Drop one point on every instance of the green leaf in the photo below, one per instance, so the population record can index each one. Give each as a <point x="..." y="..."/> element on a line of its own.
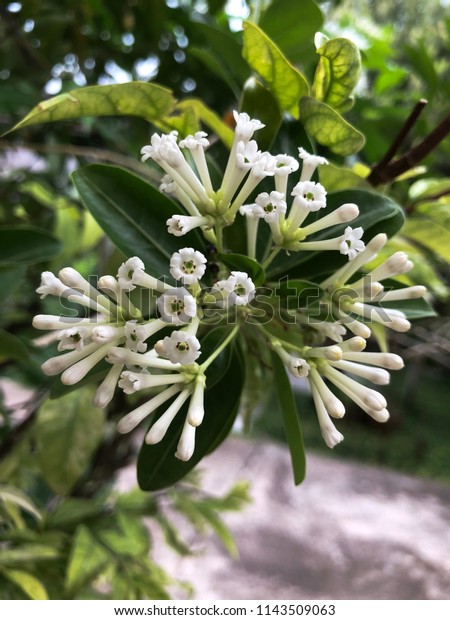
<point x="32" y="587"/>
<point x="290" y="419"/>
<point x="67" y="433"/>
<point x="10" y="278"/>
<point x="125" y="535"/>
<point x="292" y="25"/>
<point x="286" y="82"/>
<point x="337" y="73"/>
<point x="209" y="118"/>
<point x="26" y="554"/>
<point x="219" y="366"/>
<point x="157" y="466"/>
<point x="11" y="347"/>
<point x="426" y="188"/>
<point x="295" y="293"/>
<point x="329" y="128"/>
<point x="337" y="178"/>
<point x="240" y="262"/>
<point x="74" y="510"/>
<point x="377" y="213"/>
<point x="259" y="102"/>
<point x="143" y="99"/>
<point x="87" y="559"/>
<point x="430" y="227"/>
<point x="132" y="213"/>
<point x="18" y="498"/>
<point x="27" y="245"/>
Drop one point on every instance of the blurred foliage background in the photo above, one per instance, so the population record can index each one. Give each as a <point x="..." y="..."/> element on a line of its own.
<point x="193" y="47"/>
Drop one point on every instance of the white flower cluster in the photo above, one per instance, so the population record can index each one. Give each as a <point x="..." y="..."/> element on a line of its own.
<point x="247" y="166"/>
<point x="116" y="332"/>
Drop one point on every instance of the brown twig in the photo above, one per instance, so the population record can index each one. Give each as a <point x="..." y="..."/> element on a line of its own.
<point x="378" y="169"/>
<point x="430" y="198"/>
<point x="413" y="156"/>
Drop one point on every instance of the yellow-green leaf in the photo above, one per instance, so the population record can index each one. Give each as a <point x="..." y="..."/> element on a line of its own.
<point x="32" y="587"/>
<point x="430" y="227"/>
<point x="87" y="558"/>
<point x="336" y="178"/>
<point x="286" y="82"/>
<point x="208" y="117"/>
<point x="329" y="128"/>
<point x="67" y="433"/>
<point x="19" y="498"/>
<point x="337" y="73"/>
<point x="146" y="100"/>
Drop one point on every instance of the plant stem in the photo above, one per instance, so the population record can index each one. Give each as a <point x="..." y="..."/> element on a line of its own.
<point x="271" y="256"/>
<point x="219" y="350"/>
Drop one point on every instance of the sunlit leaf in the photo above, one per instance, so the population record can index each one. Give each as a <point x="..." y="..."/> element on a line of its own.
<point x="329" y="128"/>
<point x="144" y="99"/>
<point x="337" y="73"/>
<point x="67" y="433"/>
<point x="259" y="102"/>
<point x="284" y="80"/>
<point x="87" y="559"/>
<point x="430" y="227"/>
<point x="292" y="25"/>
<point x="19" y="498"/>
<point x="28" y="583"/>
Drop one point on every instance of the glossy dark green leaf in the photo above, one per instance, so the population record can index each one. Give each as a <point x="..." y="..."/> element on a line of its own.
<point x="292" y="26"/>
<point x="157" y="466"/>
<point x="329" y="128"/>
<point x="259" y="102"/>
<point x="27" y="245"/>
<point x="209" y="344"/>
<point x="144" y="99"/>
<point x="11" y="347"/>
<point x="291" y="420"/>
<point x="133" y="214"/>
<point x="284" y="80"/>
<point x="337" y="73"/>
<point x="240" y="262"/>
<point x="377" y="213"/>
<point x="296" y="293"/>
<point x="10" y="278"/>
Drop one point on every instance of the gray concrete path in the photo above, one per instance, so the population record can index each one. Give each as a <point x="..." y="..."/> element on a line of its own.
<point x="350" y="531"/>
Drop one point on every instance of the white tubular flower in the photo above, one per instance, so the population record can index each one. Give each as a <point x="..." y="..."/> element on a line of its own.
<point x="179" y="348"/>
<point x="390" y="317"/>
<point x="176" y="306"/>
<point x="161" y="148"/>
<point x="134" y="340"/>
<point x="298" y="367"/>
<point x="167" y="185"/>
<point x="132" y="273"/>
<point x="270" y="206"/>
<point x="198" y="140"/>
<point x="329" y="432"/>
<point x="196" y="410"/>
<point x="401" y="294"/>
<point x="123" y="355"/>
<point x="364" y="397"/>
<point x="71" y="278"/>
<point x="310" y="195"/>
<point x="160" y="427"/>
<point x="332" y="352"/>
<point x="180" y="225"/>
<point x="53" y="321"/>
<point x="344" y="213"/>
<point x="132" y="382"/>
<point x="334" y="331"/>
<point x="242" y="288"/>
<point x="186" y="445"/>
<point x="135" y="417"/>
<point x="105" y="391"/>
<point x="104" y="334"/>
<point x="391" y="361"/>
<point x="50" y="285"/>
<point x="187" y="265"/>
<point x="285" y="164"/>
<point x="379" y="376"/>
<point x="245" y="126"/>
<point x="80" y="369"/>
<point x="74" y="338"/>
<point x="310" y="163"/>
<point x="351" y="244"/>
<point x="247" y="155"/>
<point x="333" y="405"/>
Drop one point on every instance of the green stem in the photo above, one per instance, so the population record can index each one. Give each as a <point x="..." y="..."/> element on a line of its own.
<point x="219" y="238"/>
<point x="219" y="350"/>
<point x="271" y="256"/>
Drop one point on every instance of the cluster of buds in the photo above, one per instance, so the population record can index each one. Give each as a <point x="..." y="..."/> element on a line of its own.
<point x="116" y="330"/>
